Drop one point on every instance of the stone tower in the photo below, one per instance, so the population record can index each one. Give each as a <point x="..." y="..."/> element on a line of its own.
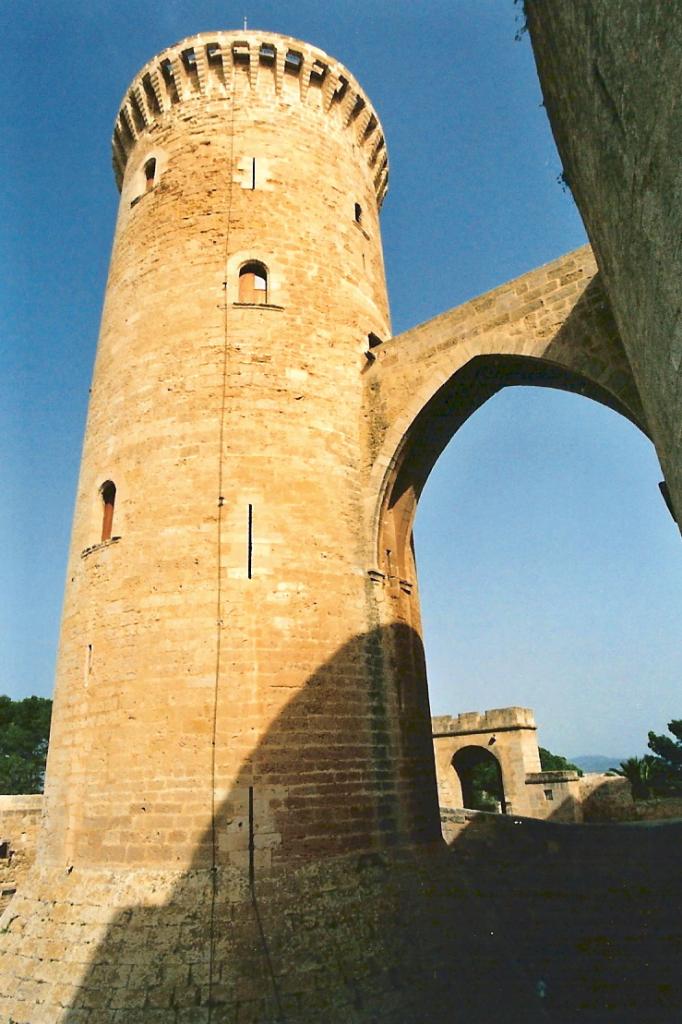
<point x="245" y="281"/>
<point x="221" y="703"/>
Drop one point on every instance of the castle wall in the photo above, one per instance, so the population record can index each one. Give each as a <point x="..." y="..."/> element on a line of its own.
<point x="19" y="823"/>
<point x="610" y="76"/>
<point x="555" y="795"/>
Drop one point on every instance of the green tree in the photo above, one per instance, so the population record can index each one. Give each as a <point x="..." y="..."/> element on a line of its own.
<point x="641" y="773"/>
<point x="668" y="758"/>
<point x="485" y="785"/>
<point x="24" y="734"/>
<point x="550" y="762"/>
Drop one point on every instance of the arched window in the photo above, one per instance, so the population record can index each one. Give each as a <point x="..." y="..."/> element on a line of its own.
<point x="253" y="284"/>
<point x="108" y="492"/>
<point x="150" y="174"/>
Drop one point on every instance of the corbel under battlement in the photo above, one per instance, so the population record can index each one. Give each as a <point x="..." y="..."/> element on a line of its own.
<point x="206" y="65"/>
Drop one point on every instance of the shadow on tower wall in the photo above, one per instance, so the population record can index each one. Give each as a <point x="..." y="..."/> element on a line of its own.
<point x="529" y="921"/>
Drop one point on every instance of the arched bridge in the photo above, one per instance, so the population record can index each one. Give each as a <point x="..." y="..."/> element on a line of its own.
<point x="551" y="327"/>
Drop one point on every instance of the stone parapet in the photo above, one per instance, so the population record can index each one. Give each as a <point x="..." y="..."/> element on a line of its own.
<point x="217" y="64"/>
<point x="494" y="720"/>
<point x="543" y="778"/>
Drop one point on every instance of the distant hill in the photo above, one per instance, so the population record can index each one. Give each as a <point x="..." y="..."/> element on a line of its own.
<point x="597" y="762"/>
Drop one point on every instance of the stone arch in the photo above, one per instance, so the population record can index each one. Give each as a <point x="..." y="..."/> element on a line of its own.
<point x="464" y="762"/>
<point x="509" y="735"/>
<point x="552" y="328"/>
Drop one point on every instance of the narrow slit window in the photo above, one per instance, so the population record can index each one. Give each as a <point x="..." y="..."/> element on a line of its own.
<point x="108" y="492"/>
<point x="358" y="213"/>
<point x="253" y="173"/>
<point x="253" y="284"/>
<point x="88" y="663"/>
<point x="249" y="544"/>
<point x="150" y="174"/>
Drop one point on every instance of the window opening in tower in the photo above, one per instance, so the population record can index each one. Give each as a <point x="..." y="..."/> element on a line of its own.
<point x="253" y="284"/>
<point x="108" y="492"/>
<point x="150" y="174"/>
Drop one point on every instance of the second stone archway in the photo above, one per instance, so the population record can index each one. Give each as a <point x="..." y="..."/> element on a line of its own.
<point x="552" y="327"/>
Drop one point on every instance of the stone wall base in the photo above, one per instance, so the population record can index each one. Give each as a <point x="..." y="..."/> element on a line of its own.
<point x="363" y="938"/>
<point x="518" y="920"/>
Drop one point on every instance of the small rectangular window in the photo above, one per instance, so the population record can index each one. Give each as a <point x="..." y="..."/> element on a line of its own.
<point x="108" y="493"/>
<point x="340" y="90"/>
<point x="318" y="72"/>
<point x="240" y="53"/>
<point x="357" y="107"/>
<point x="549" y="794"/>
<point x="152" y="99"/>
<point x="293" y="62"/>
<point x="189" y="58"/>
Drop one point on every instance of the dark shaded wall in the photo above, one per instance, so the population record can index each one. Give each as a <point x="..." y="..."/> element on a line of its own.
<point x="611" y="77"/>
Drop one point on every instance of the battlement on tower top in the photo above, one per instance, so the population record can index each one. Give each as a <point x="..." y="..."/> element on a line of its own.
<point x="207" y="65"/>
<point x="494" y="720"/>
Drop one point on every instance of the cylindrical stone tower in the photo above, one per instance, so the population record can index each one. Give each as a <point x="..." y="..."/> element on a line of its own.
<point x="221" y="711"/>
<point x="245" y="280"/>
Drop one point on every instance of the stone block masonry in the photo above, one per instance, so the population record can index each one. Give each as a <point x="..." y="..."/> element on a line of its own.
<point x="507" y="737"/>
<point x="241" y="818"/>
<point x="19" y="823"/>
<point x="611" y="77"/>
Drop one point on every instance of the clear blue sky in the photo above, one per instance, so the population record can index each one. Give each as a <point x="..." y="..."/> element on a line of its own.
<point x="551" y="573"/>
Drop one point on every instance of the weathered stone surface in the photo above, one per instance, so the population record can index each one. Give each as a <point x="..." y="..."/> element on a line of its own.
<point x="19" y="822"/>
<point x="611" y="79"/>
<point x="509" y="736"/>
